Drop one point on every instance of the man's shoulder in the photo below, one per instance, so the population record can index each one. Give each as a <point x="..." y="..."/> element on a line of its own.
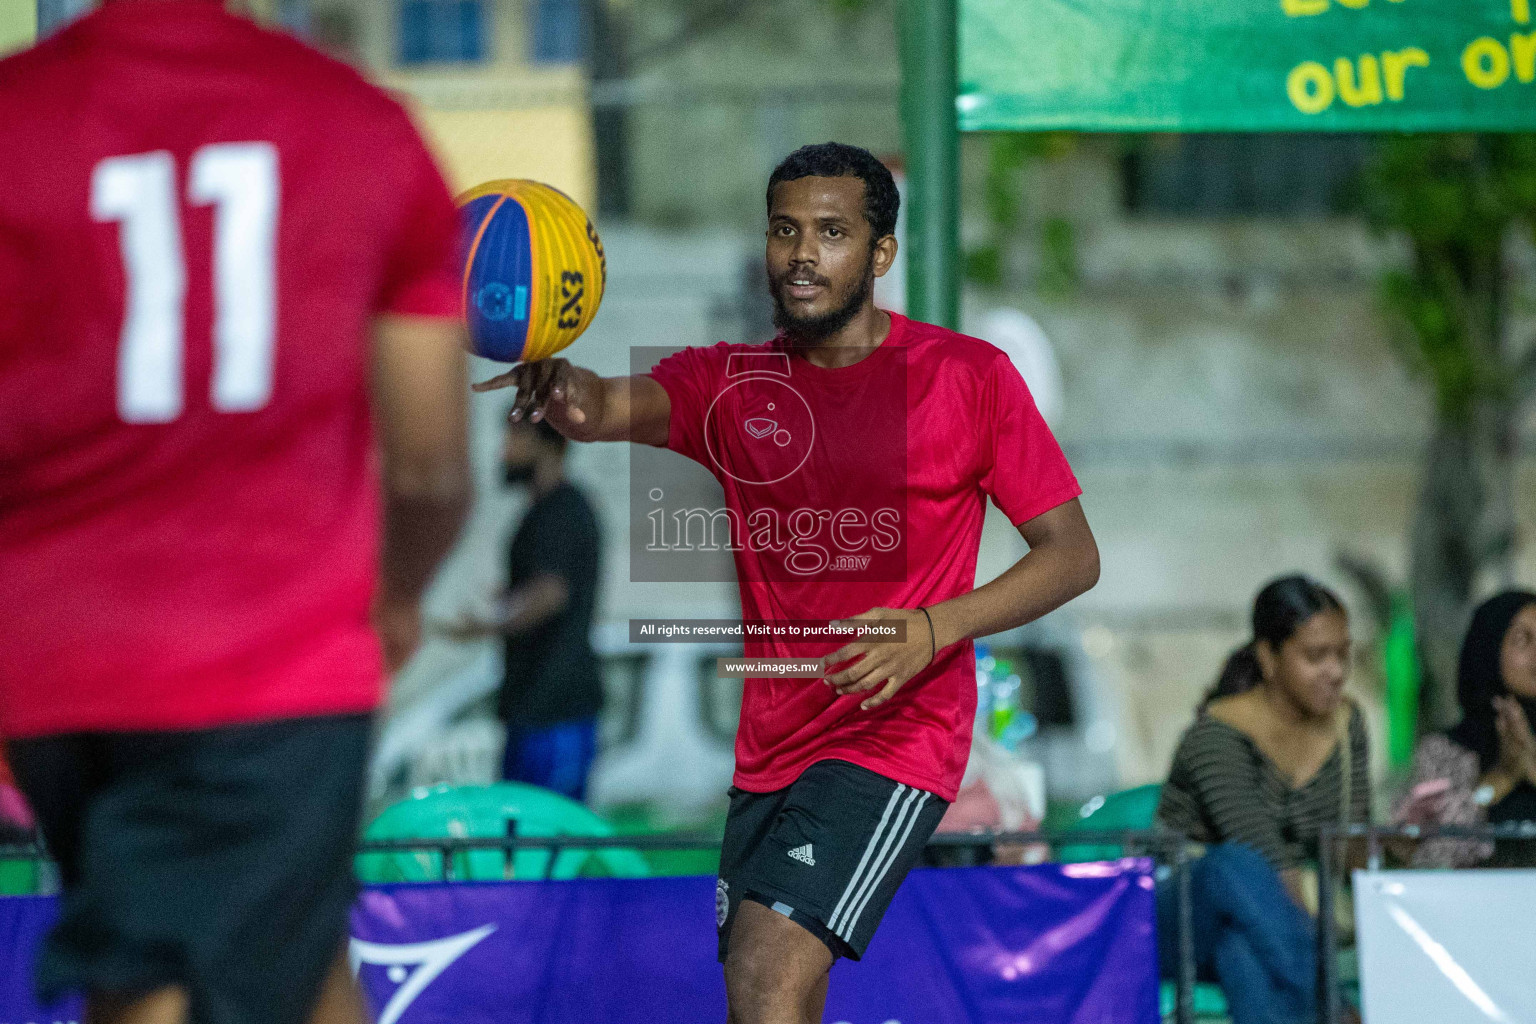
<point x="931" y="343"/>
<point x="724" y="358"/>
<point x="25" y="75"/>
<point x="311" y="81"/>
<point x="322" y="85"/>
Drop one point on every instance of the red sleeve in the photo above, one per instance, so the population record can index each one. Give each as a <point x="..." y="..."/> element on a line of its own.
<point x="690" y="379"/>
<point x="421" y="269"/>
<point x="1024" y="470"/>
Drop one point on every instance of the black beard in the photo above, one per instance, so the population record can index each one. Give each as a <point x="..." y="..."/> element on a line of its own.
<point x="818" y="328"/>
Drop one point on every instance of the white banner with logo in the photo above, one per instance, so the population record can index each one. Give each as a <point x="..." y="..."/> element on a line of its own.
<point x="1447" y="947"/>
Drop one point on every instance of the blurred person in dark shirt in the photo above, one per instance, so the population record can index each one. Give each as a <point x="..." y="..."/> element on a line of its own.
<point x="552" y="690"/>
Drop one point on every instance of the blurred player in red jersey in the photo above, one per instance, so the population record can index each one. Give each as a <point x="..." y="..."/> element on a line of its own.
<point x="229" y="315"/>
<point x="874" y="441"/>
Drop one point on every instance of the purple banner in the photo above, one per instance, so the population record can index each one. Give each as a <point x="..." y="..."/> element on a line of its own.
<point x="24" y="922"/>
<point x="1070" y="944"/>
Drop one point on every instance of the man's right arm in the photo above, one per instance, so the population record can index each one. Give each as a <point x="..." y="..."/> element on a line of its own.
<point x="586" y="407"/>
<point x="421" y="409"/>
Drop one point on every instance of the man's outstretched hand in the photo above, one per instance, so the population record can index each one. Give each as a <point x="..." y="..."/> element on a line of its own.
<point x="569" y="397"/>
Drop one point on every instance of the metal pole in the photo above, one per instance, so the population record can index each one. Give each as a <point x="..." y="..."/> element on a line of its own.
<point x="929" y="77"/>
<point x="1184" y="1007"/>
<point x="1328" y="939"/>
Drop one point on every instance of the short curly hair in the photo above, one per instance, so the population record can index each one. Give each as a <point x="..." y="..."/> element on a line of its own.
<point x="882" y="202"/>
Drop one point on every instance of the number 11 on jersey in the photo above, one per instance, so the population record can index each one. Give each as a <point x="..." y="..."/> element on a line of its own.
<point x="140" y="193"/>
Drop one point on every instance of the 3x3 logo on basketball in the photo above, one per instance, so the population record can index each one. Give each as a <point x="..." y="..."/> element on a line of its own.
<point x="573" y="285"/>
<point x="573" y="289"/>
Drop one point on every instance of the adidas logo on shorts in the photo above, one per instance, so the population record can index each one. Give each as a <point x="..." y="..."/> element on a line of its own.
<point x="803" y="855"/>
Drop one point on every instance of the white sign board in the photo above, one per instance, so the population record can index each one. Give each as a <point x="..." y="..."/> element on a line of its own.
<point x="1448" y="947"/>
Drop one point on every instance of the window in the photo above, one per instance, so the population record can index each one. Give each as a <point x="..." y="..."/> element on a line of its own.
<point x="1243" y="175"/>
<point x="442" y="31"/>
<point x="559" y="31"/>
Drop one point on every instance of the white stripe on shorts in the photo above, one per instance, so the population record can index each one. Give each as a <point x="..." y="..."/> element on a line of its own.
<point x="874" y="841"/>
<point x="839" y="925"/>
<point x="906" y="834"/>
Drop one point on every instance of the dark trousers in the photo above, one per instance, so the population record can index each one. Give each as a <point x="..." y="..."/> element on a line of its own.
<point x="1249" y="936"/>
<point x="556" y="757"/>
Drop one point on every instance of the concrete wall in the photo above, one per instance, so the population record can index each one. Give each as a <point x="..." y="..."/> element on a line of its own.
<point x="18" y="24"/>
<point x="716" y="115"/>
<point x="504" y="117"/>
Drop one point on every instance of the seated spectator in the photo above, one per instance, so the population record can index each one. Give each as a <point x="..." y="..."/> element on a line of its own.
<point x="1276" y="753"/>
<point x="1484" y="769"/>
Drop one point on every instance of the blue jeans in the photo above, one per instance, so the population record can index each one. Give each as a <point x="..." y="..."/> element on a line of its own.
<point x="556" y="757"/>
<point x="1249" y="936"/>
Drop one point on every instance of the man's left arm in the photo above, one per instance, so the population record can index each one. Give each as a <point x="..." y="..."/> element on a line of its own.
<point x="1062" y="563"/>
<point x="556" y="548"/>
<point x="518" y="611"/>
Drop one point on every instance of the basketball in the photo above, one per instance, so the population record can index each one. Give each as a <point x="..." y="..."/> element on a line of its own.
<point x="534" y="270"/>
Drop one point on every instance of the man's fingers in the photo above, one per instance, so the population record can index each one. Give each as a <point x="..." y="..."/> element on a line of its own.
<point x="566" y="391"/>
<point x="541" y="371"/>
<point x="869" y="682"/>
<point x="504" y="380"/>
<point x="851" y="672"/>
<point x="866" y="675"/>
<point x="531" y="391"/>
<point x="891" y="686"/>
<point x="525" y="393"/>
<point x="851" y="649"/>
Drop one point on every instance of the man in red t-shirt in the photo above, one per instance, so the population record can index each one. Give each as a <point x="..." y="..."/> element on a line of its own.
<point x="229" y="315"/>
<point x="857" y="451"/>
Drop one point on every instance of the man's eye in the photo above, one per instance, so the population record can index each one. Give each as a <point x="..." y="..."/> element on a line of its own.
<point x="834" y="233"/>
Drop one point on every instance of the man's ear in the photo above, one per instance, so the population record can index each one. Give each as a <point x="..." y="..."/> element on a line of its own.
<point x="885" y="255"/>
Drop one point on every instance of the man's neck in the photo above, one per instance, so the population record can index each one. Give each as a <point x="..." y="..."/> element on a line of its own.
<point x="547" y="476"/>
<point x="865" y="332"/>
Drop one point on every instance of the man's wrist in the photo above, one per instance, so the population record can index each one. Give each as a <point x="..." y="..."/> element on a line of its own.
<point x="597" y="408"/>
<point x="946" y="632"/>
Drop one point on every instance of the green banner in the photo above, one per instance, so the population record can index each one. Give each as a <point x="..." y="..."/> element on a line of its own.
<point x="1247" y="65"/>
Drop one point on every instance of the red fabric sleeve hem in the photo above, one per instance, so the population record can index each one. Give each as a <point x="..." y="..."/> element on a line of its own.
<point x="1044" y="505"/>
<point x="431" y="298"/>
<point x="673" y="421"/>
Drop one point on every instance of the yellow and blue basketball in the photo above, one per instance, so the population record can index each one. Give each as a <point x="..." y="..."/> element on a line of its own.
<point x="534" y="270"/>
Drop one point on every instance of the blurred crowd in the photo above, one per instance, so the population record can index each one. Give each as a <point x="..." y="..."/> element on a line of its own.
<point x="1278" y="752"/>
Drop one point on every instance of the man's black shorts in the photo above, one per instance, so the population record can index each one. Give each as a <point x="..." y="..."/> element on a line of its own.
<point x="218" y="860"/>
<point x="828" y="852"/>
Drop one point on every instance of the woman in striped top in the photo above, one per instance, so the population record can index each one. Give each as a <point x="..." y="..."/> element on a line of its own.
<point x="1275" y="754"/>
